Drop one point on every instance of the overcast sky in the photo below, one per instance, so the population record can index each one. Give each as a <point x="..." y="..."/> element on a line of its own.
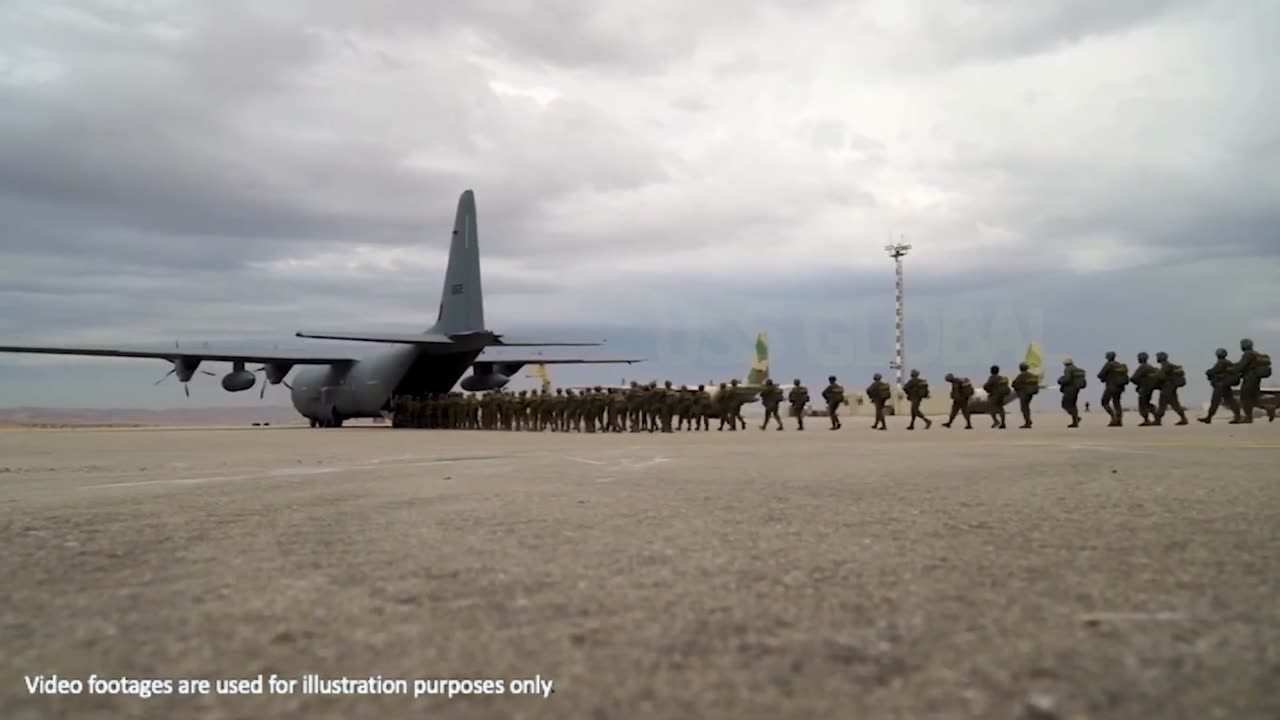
<point x="673" y="176"/>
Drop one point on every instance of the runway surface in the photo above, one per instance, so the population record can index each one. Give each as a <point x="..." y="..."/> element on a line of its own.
<point x="1126" y="573"/>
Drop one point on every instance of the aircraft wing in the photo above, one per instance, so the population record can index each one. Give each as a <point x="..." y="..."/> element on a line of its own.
<point x="379" y="337"/>
<point x="291" y="357"/>
<point x="518" y="363"/>
<point x="503" y="340"/>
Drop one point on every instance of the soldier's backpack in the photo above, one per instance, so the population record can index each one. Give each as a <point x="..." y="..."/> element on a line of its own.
<point x="1119" y="374"/>
<point x="1262" y="363"/>
<point x="1178" y="375"/>
<point x="1078" y="378"/>
<point x="1001" y="387"/>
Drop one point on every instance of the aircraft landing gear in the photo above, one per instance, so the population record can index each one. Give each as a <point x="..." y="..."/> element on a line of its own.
<point x="315" y="423"/>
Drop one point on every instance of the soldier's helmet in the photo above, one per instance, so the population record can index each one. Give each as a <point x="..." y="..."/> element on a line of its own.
<point x="523" y="393"/>
<point x="1162" y="356"/>
<point x="915" y="373"/>
<point x="949" y="377"/>
<point x="734" y="382"/>
<point x="797" y="382"/>
<point x="1142" y="357"/>
<point x="1220" y="352"/>
<point x="876" y="377"/>
<point x="1024" y="367"/>
<point x="559" y="391"/>
<point x="635" y="383"/>
<point x="668" y="383"/>
<point x="831" y="378"/>
<point x="723" y="385"/>
<point x="598" y="388"/>
<point x="1068" y="362"/>
<point x="769" y="381"/>
<point x="995" y="369"/>
<point x="1246" y="344"/>
<point x="702" y="387"/>
<point x="1111" y="355"/>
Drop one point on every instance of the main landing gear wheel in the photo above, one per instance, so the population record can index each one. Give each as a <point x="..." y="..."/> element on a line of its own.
<point x="315" y="423"/>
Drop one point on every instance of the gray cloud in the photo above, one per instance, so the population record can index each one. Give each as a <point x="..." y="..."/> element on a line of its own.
<point x="233" y="171"/>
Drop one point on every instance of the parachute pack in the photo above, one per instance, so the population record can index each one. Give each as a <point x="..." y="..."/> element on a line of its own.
<point x="1177" y="375"/>
<point x="1263" y="364"/>
<point x="1119" y="373"/>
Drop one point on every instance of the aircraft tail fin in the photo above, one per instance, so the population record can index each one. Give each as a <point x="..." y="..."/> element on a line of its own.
<point x="759" y="371"/>
<point x="1035" y="358"/>
<point x="1035" y="361"/>
<point x="461" y="300"/>
<point x="540" y="372"/>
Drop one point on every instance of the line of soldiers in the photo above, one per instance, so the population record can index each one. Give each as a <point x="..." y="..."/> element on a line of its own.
<point x="1165" y="378"/>
<point x="640" y="408"/>
<point x="649" y="408"/>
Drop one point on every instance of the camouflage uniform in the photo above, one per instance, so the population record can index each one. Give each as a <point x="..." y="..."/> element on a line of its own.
<point x="735" y="404"/>
<point x="1251" y="369"/>
<point x="1172" y="377"/>
<point x="1114" y="376"/>
<point x="833" y="395"/>
<point x="1222" y="379"/>
<point x="798" y="398"/>
<point x="702" y="408"/>
<point x="1071" y="383"/>
<point x="667" y="406"/>
<point x="1146" y="379"/>
<point x="997" y="387"/>
<point x="771" y="398"/>
<point x="917" y="389"/>
<point x="724" y="404"/>
<point x="1025" y="386"/>
<point x="961" y="391"/>
<point x="879" y="392"/>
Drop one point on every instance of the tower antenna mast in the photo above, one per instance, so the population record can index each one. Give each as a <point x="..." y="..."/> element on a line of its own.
<point x="898" y="251"/>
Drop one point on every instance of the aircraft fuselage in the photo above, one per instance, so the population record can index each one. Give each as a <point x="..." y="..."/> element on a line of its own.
<point x="364" y="388"/>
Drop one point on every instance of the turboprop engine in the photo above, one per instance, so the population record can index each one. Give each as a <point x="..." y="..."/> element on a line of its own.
<point x="486" y="381"/>
<point x="238" y="380"/>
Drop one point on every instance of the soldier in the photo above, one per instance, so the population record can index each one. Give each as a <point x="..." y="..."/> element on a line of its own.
<point x="1251" y="369"/>
<point x="799" y="398"/>
<point x="735" y="404"/>
<point x="1071" y="383"/>
<point x="997" y="387"/>
<point x="879" y="393"/>
<point x="684" y="408"/>
<point x="961" y="391"/>
<point x="724" y="405"/>
<point x="1114" y="376"/>
<point x="834" y="396"/>
<point x="1172" y="377"/>
<point x="1146" y="379"/>
<point x="771" y="398"/>
<point x="667" y="406"/>
<point x="1025" y="386"/>
<point x="917" y="389"/>
<point x="702" y="408"/>
<point x="1222" y="379"/>
<point x="653" y="405"/>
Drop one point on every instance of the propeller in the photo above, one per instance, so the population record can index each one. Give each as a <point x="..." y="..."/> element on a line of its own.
<point x="185" y="389"/>
<point x="263" y="392"/>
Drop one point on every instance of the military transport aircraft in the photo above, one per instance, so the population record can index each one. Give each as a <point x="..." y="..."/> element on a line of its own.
<point x="339" y="386"/>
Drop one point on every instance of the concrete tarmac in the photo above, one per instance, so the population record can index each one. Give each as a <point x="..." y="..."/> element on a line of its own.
<point x="1101" y="573"/>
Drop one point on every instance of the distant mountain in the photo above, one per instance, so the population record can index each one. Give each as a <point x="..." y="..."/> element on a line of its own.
<point x="29" y="416"/>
